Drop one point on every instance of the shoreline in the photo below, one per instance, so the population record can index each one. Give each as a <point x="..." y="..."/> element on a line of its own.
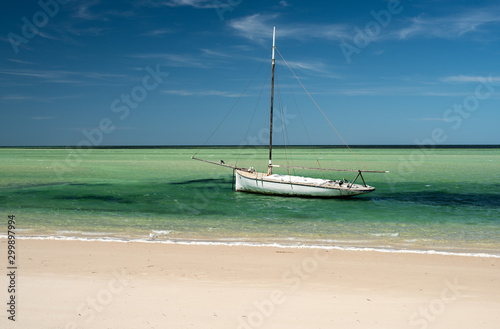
<point x="76" y="284"/>
<point x="267" y="243"/>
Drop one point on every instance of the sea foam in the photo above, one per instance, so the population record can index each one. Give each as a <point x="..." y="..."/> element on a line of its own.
<point x="226" y="243"/>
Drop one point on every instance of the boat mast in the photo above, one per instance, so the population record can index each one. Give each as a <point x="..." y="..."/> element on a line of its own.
<point x="270" y="168"/>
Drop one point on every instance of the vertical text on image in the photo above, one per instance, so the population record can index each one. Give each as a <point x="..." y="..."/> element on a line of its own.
<point x="11" y="267"/>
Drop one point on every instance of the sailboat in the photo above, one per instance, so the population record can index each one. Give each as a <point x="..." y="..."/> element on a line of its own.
<point x="248" y="180"/>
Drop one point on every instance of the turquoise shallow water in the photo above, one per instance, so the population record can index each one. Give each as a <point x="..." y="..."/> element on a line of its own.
<point x="439" y="199"/>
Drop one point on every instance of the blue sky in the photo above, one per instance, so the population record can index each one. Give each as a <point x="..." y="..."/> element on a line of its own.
<point x="167" y="72"/>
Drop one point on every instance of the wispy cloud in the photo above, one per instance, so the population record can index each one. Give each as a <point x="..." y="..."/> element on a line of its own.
<point x="308" y="65"/>
<point x="59" y="76"/>
<point x="84" y="12"/>
<point x="158" y="32"/>
<point x="470" y="78"/>
<point x="257" y="28"/>
<point x="176" y="60"/>
<point x="319" y="68"/>
<point x="281" y="5"/>
<point x="316" y="66"/>
<point x="198" y="4"/>
<point x="15" y="97"/>
<point x="92" y="31"/>
<point x="19" y="61"/>
<point x="445" y="93"/>
<point x="87" y="11"/>
<point x="216" y="53"/>
<point x="42" y="118"/>
<point x="387" y="90"/>
<point x="31" y="73"/>
<point x="37" y="98"/>
<point x="427" y="119"/>
<point x="452" y="26"/>
<point x="92" y="128"/>
<point x="394" y="90"/>
<point x="201" y="93"/>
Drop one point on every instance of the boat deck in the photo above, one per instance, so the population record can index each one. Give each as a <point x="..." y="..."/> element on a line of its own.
<point x="305" y="181"/>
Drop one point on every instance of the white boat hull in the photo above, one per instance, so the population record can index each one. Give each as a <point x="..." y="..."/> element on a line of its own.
<point x="296" y="186"/>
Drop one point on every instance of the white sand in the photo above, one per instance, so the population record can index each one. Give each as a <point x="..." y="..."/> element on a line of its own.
<point x="72" y="284"/>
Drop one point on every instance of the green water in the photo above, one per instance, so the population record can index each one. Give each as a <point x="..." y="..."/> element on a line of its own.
<point x="442" y="199"/>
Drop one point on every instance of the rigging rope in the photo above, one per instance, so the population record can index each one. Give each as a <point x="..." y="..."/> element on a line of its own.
<point x="283" y="125"/>
<point x="331" y="125"/>
<point x="253" y="116"/>
<point x="231" y="109"/>
<point x="304" y="126"/>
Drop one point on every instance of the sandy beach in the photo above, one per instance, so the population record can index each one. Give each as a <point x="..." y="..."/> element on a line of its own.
<point x="77" y="284"/>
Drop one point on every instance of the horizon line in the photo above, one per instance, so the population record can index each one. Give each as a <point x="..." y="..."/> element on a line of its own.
<point x="425" y="146"/>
